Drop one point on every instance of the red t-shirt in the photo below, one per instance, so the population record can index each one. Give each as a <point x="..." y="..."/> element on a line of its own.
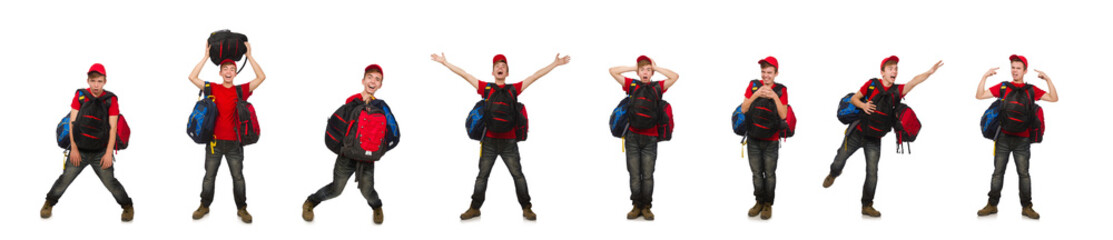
<point x="652" y="132"/>
<point x="784" y="100"/>
<point x="517" y="91"/>
<point x="113" y="110"/>
<point x="866" y="87"/>
<point x="995" y="89"/>
<point x="357" y="96"/>
<point x="226" y="108"/>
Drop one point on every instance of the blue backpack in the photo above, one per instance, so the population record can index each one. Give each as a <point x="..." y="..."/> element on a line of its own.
<point x="474" y="124"/>
<point x="619" y="122"/>
<point x="848" y="113"/>
<point x="394" y="134"/>
<point x="991" y="125"/>
<point x="738" y="121"/>
<point x="202" y="120"/>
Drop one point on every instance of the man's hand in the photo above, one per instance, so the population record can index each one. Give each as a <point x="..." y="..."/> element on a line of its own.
<point x="248" y="45"/>
<point x="870" y="108"/>
<point x="207" y="48"/>
<point x="991" y="72"/>
<point x="440" y="59"/>
<point x="935" y="67"/>
<point x="106" y="161"/>
<point x="558" y="61"/>
<point x="75" y="158"/>
<point x="1042" y="75"/>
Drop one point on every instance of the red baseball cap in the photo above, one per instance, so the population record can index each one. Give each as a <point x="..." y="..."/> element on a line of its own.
<point x="373" y="66"/>
<point x="498" y="58"/>
<point x="1022" y="59"/>
<point x="643" y="57"/>
<point x="233" y="62"/>
<point x="893" y="58"/>
<point x="97" y="67"/>
<point x="771" y="61"/>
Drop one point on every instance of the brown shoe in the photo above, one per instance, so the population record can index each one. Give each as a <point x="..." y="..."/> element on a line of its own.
<point x="828" y="181"/>
<point x="1029" y="212"/>
<point x="987" y="210"/>
<point x="200" y="212"/>
<point x="378" y="215"/>
<point x="46" y="211"/>
<point x="307" y="211"/>
<point x="471" y="213"/>
<point x="767" y="212"/>
<point x="634" y="213"/>
<point x="647" y="214"/>
<point x="528" y="214"/>
<point x="869" y="211"/>
<point x="244" y="215"/>
<point x="128" y="214"/>
<point x="756" y="209"/>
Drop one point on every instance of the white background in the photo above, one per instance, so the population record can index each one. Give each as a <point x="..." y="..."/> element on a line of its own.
<point x="313" y="55"/>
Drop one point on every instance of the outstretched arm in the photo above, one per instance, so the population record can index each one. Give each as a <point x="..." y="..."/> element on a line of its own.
<point x="1052" y="95"/>
<point x="982" y="92"/>
<point x="193" y="76"/>
<point x="537" y="75"/>
<point x="471" y="79"/>
<point x="259" y="76"/>
<point x="920" y="78"/>
<point x="616" y="73"/>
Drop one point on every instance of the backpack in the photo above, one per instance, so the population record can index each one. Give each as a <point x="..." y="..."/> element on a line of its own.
<point x="620" y="122"/>
<point x="907" y="128"/>
<point x="881" y="121"/>
<point x="790" y="123"/>
<point x="765" y="121"/>
<point x="738" y="121"/>
<point x="991" y="122"/>
<point x="645" y="105"/>
<point x="371" y="132"/>
<point x="665" y="123"/>
<point x="847" y="112"/>
<point x="475" y="124"/>
<point x="225" y="44"/>
<point x="1036" y="132"/>
<point x="1017" y="107"/>
<point x="247" y="123"/>
<point x="502" y="108"/>
<point x="337" y="127"/>
<point x="202" y="120"/>
<point x="92" y="128"/>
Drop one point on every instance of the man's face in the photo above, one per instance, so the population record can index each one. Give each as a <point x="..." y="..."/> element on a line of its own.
<point x="1018" y="71"/>
<point x="228" y="72"/>
<point x="500" y="70"/>
<point x="645" y="72"/>
<point x="768" y="74"/>
<point x="372" y="82"/>
<point x="889" y="73"/>
<point x="96" y="84"/>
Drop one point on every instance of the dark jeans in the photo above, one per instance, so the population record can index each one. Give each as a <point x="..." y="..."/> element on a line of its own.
<point x="641" y="158"/>
<point x="872" y="148"/>
<point x="70" y="172"/>
<point x="508" y="149"/>
<point x="341" y="172"/>
<point x="233" y="151"/>
<point x="763" y="165"/>
<point x="1019" y="147"/>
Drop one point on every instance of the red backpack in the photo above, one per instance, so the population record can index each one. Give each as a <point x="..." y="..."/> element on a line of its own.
<point x="907" y="127"/>
<point x="367" y="128"/>
<point x="247" y="123"/>
<point x="1036" y="132"/>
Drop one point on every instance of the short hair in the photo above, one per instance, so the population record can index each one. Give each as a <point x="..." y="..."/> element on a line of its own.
<point x="1021" y="63"/>
<point x="372" y="70"/>
<point x="766" y="64"/>
<point x="642" y="63"/>
<point x="887" y="63"/>
<point x="95" y="75"/>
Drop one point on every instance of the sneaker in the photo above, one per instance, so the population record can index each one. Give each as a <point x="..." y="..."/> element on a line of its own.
<point x="767" y="212"/>
<point x="1029" y="212"/>
<point x="471" y="213"/>
<point x="200" y="212"/>
<point x="244" y="215"/>
<point x="307" y="211"/>
<point x="46" y="211"/>
<point x="634" y="213"/>
<point x="756" y="209"/>
<point x="828" y="181"/>
<point x="987" y="210"/>
<point x="528" y="214"/>
<point x="869" y="211"/>
<point x="378" y="215"/>
<point x="128" y="214"/>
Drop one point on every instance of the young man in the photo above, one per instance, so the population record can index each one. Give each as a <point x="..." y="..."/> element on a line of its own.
<point x="764" y="151"/>
<point x="344" y="167"/>
<point x="79" y="158"/>
<point x="503" y="144"/>
<point x="641" y="144"/>
<point x="1016" y="143"/>
<point x="225" y="141"/>
<point x="858" y="139"/>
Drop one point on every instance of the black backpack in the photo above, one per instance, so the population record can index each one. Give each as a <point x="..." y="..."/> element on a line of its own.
<point x="645" y="105"/>
<point x="880" y="122"/>
<point x="503" y="111"/>
<point x="1017" y="107"/>
<point x="225" y="44"/>
<point x="763" y="117"/>
<point x="337" y="129"/>
<point x="91" y="128"/>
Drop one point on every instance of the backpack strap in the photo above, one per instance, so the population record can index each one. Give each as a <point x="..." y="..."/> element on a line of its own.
<point x="239" y="93"/>
<point x="490" y="87"/>
<point x="874" y="84"/>
<point x="206" y="91"/>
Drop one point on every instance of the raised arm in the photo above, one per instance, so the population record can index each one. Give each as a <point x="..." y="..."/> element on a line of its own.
<point x="669" y="74"/>
<point x="1052" y="95"/>
<point x="983" y="93"/>
<point x="616" y="73"/>
<point x="471" y="79"/>
<point x="193" y="76"/>
<point x="920" y="78"/>
<point x="537" y="75"/>
<point x="259" y="75"/>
